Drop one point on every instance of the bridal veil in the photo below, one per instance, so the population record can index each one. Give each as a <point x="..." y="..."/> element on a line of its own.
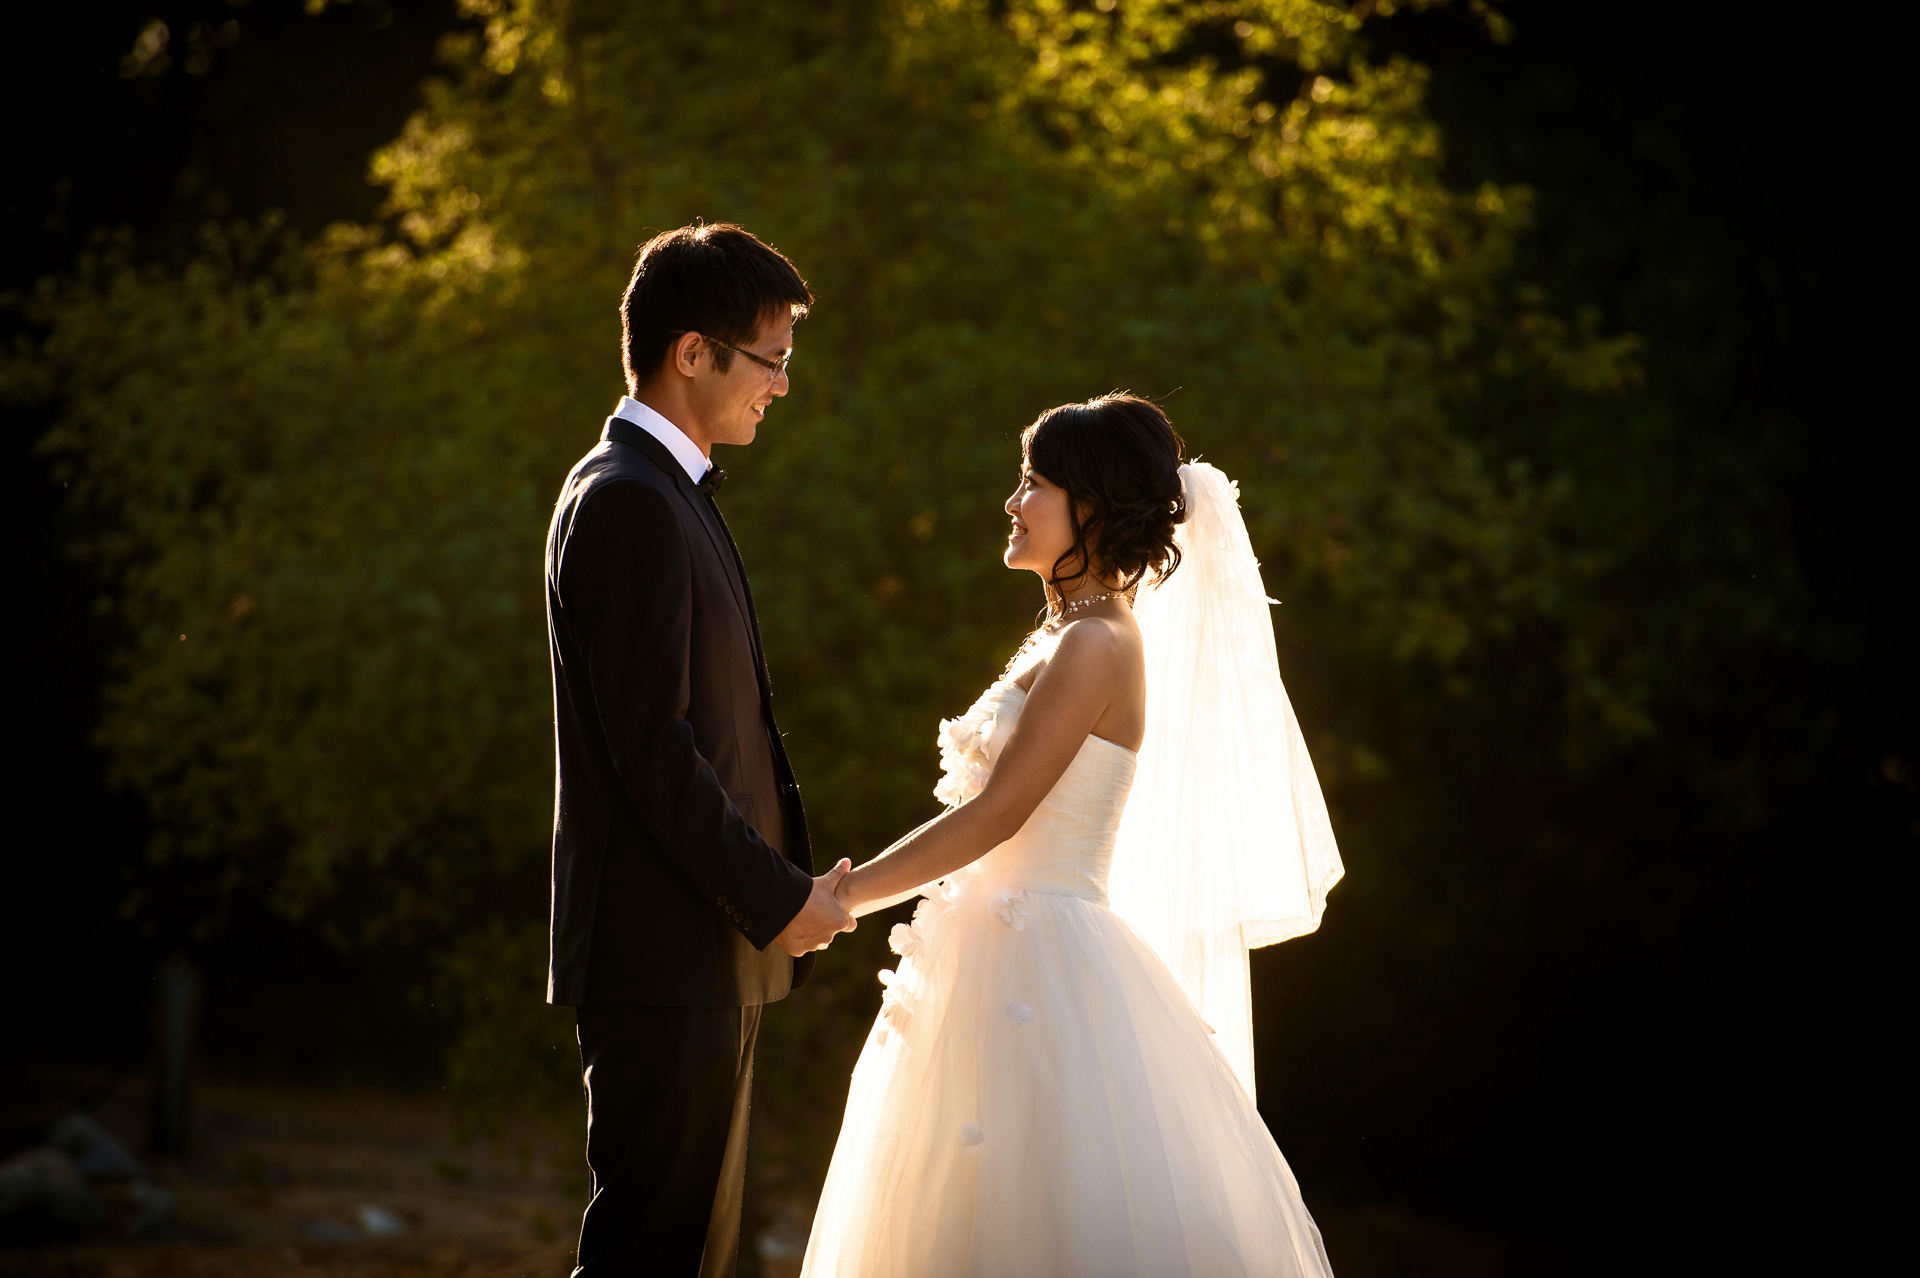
<point x="1225" y="843"/>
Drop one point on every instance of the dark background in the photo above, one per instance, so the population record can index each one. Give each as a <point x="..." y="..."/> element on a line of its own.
<point x="283" y="118"/>
<point x="1677" y="1053"/>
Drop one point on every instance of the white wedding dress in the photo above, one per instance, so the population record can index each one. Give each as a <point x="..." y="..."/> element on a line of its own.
<point x="1038" y="1095"/>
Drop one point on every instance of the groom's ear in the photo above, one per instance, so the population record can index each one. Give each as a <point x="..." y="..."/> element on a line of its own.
<point x="684" y="355"/>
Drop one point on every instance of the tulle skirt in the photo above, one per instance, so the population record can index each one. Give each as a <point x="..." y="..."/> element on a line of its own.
<point x="1038" y="1097"/>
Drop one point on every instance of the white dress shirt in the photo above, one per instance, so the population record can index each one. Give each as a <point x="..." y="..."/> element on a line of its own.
<point x="684" y="450"/>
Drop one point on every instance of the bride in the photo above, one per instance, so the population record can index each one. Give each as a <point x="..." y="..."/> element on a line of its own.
<point x="1060" y="1080"/>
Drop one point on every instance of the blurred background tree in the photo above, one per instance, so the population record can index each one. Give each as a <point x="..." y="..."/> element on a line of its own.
<point x="1541" y="522"/>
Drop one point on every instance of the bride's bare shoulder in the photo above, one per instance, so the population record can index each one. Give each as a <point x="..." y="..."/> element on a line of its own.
<point x="1093" y="648"/>
<point x="1099" y="639"/>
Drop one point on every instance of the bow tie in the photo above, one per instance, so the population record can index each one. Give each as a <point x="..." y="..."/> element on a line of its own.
<point x="710" y="484"/>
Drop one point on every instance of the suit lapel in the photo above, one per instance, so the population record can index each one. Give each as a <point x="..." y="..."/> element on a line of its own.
<point x="622" y="431"/>
<point x="746" y="591"/>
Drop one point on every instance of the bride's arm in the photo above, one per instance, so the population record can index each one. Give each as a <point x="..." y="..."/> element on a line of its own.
<point x="864" y="908"/>
<point x="1067" y="699"/>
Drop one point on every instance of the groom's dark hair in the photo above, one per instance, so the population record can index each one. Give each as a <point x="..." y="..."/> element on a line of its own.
<point x="713" y="278"/>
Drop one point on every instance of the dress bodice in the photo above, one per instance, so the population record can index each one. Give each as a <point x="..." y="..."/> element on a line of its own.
<point x="1066" y="846"/>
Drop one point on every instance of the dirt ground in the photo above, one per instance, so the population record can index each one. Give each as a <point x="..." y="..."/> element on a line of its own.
<point x="278" y="1181"/>
<point x="279" y="1178"/>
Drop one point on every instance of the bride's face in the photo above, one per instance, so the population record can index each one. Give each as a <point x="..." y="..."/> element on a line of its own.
<point x="1042" y="530"/>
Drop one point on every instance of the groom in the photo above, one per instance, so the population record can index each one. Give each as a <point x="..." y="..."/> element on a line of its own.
<point x="683" y="890"/>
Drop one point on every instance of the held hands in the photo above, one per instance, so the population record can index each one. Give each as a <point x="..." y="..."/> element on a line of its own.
<point x="821" y="918"/>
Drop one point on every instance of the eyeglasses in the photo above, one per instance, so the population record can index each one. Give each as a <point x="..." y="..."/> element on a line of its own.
<point x="774" y="367"/>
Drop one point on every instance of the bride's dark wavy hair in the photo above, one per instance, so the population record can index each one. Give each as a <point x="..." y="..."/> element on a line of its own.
<point x="1118" y="458"/>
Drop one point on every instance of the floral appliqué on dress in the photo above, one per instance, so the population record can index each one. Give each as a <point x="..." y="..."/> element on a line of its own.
<point x="964" y="764"/>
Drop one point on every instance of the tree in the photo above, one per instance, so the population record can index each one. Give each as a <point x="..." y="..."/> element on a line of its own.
<point x="330" y="462"/>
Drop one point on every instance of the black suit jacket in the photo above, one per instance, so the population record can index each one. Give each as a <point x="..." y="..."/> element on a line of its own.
<point x="679" y="845"/>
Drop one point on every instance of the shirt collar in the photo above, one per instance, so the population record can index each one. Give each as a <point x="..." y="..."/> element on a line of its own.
<point x="684" y="450"/>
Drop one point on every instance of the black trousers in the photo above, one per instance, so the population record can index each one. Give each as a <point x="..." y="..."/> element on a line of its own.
<point x="668" y="1089"/>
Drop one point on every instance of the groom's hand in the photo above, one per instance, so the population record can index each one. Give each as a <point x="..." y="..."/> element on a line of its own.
<point x="821" y="918"/>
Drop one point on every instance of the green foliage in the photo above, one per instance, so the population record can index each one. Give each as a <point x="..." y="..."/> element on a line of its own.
<point x="330" y="467"/>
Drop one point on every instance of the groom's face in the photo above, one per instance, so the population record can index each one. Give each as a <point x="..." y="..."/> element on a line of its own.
<point x="732" y="404"/>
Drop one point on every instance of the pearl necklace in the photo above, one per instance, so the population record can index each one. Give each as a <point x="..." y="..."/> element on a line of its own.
<point x="1053" y="623"/>
<point x="1072" y="606"/>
